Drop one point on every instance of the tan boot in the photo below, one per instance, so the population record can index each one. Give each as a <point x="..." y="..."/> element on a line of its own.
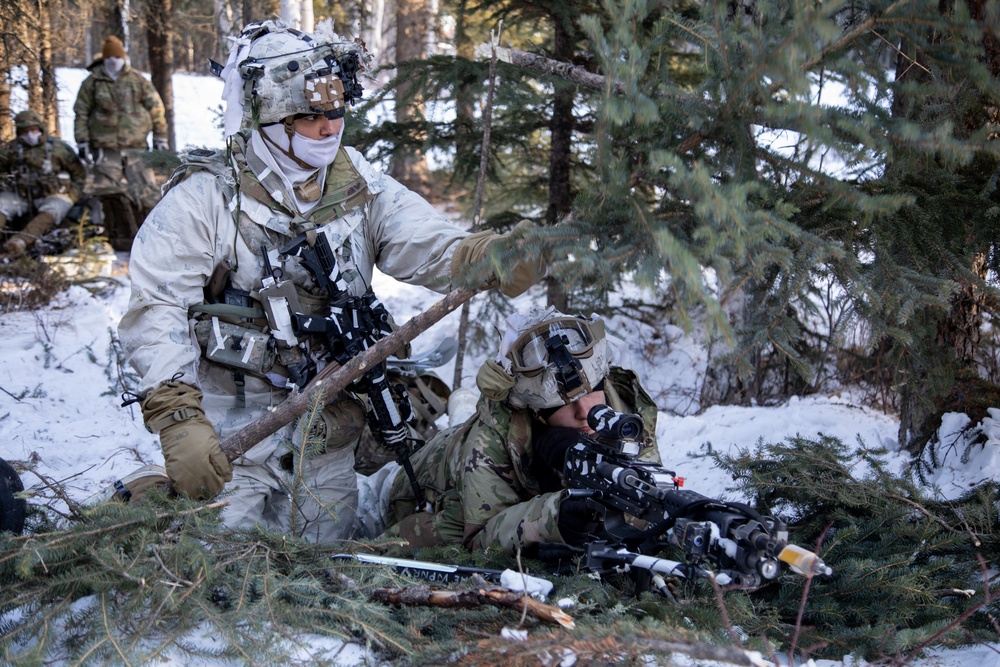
<point x="37" y="226"/>
<point x="132" y="487"/>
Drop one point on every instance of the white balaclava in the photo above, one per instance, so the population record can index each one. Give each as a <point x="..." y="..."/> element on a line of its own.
<point x="318" y="153"/>
<point x="113" y="66"/>
<point x="275" y="74"/>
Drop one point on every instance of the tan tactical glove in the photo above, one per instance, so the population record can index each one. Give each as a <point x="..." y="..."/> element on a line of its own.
<point x="513" y="280"/>
<point x="194" y="462"/>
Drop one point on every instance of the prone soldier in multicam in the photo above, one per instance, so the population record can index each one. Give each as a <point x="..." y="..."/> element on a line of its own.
<point x="43" y="176"/>
<point x="116" y="109"/>
<point x="496" y="479"/>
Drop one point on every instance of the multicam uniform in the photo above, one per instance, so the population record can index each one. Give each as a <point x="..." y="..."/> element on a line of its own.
<point x="478" y="477"/>
<point x="48" y="178"/>
<point x="115" y="116"/>
<point x="369" y="219"/>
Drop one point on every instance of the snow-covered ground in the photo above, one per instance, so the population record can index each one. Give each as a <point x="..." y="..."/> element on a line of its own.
<point x="60" y="404"/>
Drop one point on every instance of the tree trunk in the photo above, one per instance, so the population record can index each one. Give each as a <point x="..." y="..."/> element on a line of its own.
<point x="378" y="32"/>
<point x="88" y="33"/>
<point x="6" y="122"/>
<point x="409" y="166"/>
<point x="297" y="14"/>
<point x="35" y="98"/>
<point x="47" y="72"/>
<point x="119" y="22"/>
<point x="308" y="20"/>
<point x="291" y="13"/>
<point x="465" y="138"/>
<point x="223" y="28"/>
<point x="561" y="127"/>
<point x="159" y="37"/>
<point x="959" y="332"/>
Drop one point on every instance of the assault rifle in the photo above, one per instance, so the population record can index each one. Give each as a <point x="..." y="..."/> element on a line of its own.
<point x="731" y="540"/>
<point x="351" y="325"/>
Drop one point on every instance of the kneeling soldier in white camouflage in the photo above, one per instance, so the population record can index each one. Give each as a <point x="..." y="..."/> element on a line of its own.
<point x="289" y="222"/>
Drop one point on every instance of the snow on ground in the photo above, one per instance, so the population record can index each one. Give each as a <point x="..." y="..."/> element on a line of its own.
<point x="60" y="403"/>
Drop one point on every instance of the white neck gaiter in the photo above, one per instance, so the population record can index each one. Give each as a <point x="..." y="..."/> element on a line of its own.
<point x="319" y="152"/>
<point x="32" y="138"/>
<point x="113" y="66"/>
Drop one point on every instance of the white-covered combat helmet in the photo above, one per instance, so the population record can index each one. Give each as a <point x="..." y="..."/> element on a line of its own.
<point x="275" y="72"/>
<point x="554" y="359"/>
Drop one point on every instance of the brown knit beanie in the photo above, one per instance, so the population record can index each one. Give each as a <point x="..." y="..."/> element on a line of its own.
<point x="113" y="48"/>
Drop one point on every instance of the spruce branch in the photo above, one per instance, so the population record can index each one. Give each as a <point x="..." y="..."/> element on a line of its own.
<point x="988" y="594"/>
<point x="616" y="647"/>
<point x="174" y="578"/>
<point x="550" y="67"/>
<point x="721" y="603"/>
<point x="63" y="537"/>
<point x="805" y="596"/>
<point x="976" y="541"/>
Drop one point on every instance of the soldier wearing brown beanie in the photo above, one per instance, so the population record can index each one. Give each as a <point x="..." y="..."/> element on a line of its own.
<point x="116" y="109"/>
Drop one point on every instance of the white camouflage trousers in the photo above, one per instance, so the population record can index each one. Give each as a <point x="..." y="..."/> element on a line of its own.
<point x="13" y="205"/>
<point x="319" y="498"/>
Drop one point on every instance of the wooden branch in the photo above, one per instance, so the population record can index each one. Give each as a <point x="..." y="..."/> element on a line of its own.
<point x="334" y="378"/>
<point x="424" y="596"/>
<point x="544" y="65"/>
<point x="579" y="76"/>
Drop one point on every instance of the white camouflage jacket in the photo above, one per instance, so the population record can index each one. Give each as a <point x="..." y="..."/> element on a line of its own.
<point x="193" y="229"/>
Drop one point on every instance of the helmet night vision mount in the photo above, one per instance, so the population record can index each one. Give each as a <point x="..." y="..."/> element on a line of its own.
<point x="289" y="73"/>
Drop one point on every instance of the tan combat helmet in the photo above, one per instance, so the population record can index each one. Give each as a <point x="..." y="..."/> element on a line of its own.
<point x="287" y="72"/>
<point x="554" y="358"/>
<point x="28" y="118"/>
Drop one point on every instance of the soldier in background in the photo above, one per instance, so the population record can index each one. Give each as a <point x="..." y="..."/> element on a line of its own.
<point x="116" y="109"/>
<point x="45" y="179"/>
<point x="496" y="480"/>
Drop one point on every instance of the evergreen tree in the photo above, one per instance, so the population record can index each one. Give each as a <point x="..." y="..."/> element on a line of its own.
<point x="727" y="182"/>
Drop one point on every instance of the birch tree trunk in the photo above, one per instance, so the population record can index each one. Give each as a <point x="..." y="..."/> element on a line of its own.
<point x="308" y="20"/>
<point x="298" y="14"/>
<point x="377" y="38"/>
<point x="223" y="29"/>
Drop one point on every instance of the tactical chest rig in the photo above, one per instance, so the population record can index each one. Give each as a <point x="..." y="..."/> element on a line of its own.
<point x="283" y="333"/>
<point x="32" y="184"/>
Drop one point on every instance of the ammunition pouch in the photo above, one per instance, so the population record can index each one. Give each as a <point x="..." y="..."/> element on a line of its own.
<point x="237" y="346"/>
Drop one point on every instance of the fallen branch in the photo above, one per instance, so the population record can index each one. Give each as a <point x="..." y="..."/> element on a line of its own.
<point x="334" y="378"/>
<point x="424" y="596"/>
